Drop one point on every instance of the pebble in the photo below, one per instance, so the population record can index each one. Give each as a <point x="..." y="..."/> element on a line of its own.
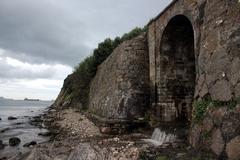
<point x="105" y="130"/>
<point x="12" y="118"/>
<point x="115" y="153"/>
<point x="14" y="141"/>
<point x="116" y="139"/>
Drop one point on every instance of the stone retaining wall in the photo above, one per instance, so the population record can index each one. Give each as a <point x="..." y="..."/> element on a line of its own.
<point x="120" y="89"/>
<point x="219" y="131"/>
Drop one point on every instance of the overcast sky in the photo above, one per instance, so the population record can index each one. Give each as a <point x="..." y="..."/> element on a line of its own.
<point x="42" y="40"/>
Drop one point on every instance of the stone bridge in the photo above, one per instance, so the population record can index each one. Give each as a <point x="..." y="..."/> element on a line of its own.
<point x="191" y="52"/>
<point x="194" y="52"/>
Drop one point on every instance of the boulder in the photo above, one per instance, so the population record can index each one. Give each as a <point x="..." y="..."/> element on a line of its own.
<point x="217" y="145"/>
<point x="14" y="141"/>
<point x="221" y="91"/>
<point x="1" y="145"/>
<point x="234" y="72"/>
<point x="32" y="143"/>
<point x="218" y="114"/>
<point x="231" y="125"/>
<point x="237" y="90"/>
<point x="233" y="149"/>
<point x="12" y="118"/>
<point x="194" y="136"/>
<point x="37" y="119"/>
<point x="208" y="124"/>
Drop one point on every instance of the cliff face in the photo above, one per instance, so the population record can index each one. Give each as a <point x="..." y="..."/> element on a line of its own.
<point x="120" y="89"/>
<point x="66" y="97"/>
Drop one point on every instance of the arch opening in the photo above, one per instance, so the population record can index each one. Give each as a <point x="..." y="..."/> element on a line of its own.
<point x="177" y="70"/>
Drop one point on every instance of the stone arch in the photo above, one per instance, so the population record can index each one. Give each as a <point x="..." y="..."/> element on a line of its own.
<point x="177" y="70"/>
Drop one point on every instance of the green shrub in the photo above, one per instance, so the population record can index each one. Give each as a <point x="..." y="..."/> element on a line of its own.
<point x="135" y="32"/>
<point x="200" y="108"/>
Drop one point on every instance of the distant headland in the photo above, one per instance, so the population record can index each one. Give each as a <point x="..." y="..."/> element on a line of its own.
<point x="25" y="99"/>
<point x="28" y="99"/>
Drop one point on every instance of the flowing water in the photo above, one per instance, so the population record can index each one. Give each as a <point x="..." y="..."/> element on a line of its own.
<point x="160" y="137"/>
<point x="21" y="128"/>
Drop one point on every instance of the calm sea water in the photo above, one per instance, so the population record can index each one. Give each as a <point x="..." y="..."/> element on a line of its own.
<point x="20" y="127"/>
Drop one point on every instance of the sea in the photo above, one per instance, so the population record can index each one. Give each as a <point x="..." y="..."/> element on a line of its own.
<point x="21" y="127"/>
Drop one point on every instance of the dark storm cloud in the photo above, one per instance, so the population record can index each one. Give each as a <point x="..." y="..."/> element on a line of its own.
<point x="65" y="31"/>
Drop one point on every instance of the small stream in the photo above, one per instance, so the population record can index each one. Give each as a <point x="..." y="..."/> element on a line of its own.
<point x="160" y="137"/>
<point x="167" y="134"/>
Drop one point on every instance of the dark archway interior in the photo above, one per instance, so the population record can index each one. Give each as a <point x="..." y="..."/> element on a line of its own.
<point x="177" y="67"/>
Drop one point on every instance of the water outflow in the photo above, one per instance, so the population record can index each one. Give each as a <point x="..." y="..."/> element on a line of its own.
<point x="160" y="137"/>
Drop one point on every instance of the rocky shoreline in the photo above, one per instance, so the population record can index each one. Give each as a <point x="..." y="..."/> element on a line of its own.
<point x="73" y="133"/>
<point x="75" y="137"/>
<point x="18" y="135"/>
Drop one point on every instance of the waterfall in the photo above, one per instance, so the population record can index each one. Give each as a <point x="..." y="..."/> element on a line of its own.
<point x="160" y="137"/>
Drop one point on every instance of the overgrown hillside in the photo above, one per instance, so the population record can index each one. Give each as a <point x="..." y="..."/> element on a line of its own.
<point x="75" y="90"/>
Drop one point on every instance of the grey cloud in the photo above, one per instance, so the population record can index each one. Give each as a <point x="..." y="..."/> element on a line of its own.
<point x="53" y="31"/>
<point x="40" y="31"/>
<point x="14" y="69"/>
<point x="57" y="32"/>
<point x="10" y="72"/>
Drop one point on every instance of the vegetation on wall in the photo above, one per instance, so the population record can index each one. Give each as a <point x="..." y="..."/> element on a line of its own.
<point x="77" y="85"/>
<point x="200" y="107"/>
